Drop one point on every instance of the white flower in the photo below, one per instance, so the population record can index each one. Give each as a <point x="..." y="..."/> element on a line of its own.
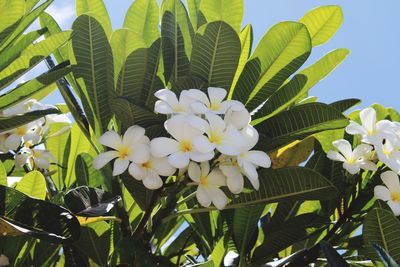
<point x="233" y="173"/>
<point x="214" y="102"/>
<point x="19" y="108"/>
<point x="133" y="146"/>
<point x="389" y="153"/>
<point x="208" y="190"/>
<point x="150" y="171"/>
<point x="355" y="160"/>
<point x="237" y="117"/>
<point x="226" y="140"/>
<point x="179" y="150"/>
<point x="38" y="158"/>
<point x="4" y="260"/>
<point x="372" y="132"/>
<point x="169" y="103"/>
<point x="390" y="193"/>
<point x="25" y="133"/>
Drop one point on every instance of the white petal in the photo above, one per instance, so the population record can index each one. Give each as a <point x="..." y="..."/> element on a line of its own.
<point x="162" y="167"/>
<point x="137" y="172"/>
<point x="203" y="144"/>
<point x="175" y="126"/>
<point x="12" y="142"/>
<point x="251" y="136"/>
<point x="216" y="177"/>
<point x="368" y="119"/>
<point x="167" y="96"/>
<point x="258" y="158"/>
<point x="250" y="170"/>
<point x="41" y="163"/>
<point x="368" y="165"/>
<point x="361" y="151"/>
<point x="140" y="153"/>
<point x="152" y="181"/>
<point x="163" y="146"/>
<point x="194" y="172"/>
<point x="199" y="108"/>
<point x="381" y="192"/>
<point x="199" y="95"/>
<point x="162" y="107"/>
<point x="179" y="159"/>
<point x="120" y="165"/>
<point x="111" y="139"/>
<point x="239" y="119"/>
<point x="205" y="168"/>
<point x="202" y="196"/>
<point x="216" y="122"/>
<point x="218" y="198"/>
<point x="391" y="180"/>
<point x="333" y="155"/>
<point x="354" y="129"/>
<point x="200" y="157"/>
<point x="200" y="124"/>
<point x="344" y="147"/>
<point x="104" y="158"/>
<point x="21" y="159"/>
<point x="216" y="95"/>
<point x="395" y="207"/>
<point x="234" y="178"/>
<point x="351" y="168"/>
<point x="133" y="135"/>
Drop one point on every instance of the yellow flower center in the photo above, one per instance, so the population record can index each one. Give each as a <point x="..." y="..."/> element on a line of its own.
<point x="214" y="106"/>
<point x="124" y="152"/>
<point x="147" y="165"/>
<point x="203" y="180"/>
<point x="395" y="196"/>
<point x="178" y="109"/>
<point x="186" y="146"/>
<point x="215" y="138"/>
<point x="386" y="151"/>
<point x="21" y="131"/>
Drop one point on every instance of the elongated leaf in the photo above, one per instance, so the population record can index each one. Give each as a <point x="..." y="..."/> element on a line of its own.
<point x="301" y="121"/>
<point x="282" y="50"/>
<point x="139" y="192"/>
<point x="87" y="175"/>
<point x="387" y="260"/>
<point x="381" y="227"/>
<point x="333" y="257"/>
<point x="32" y="87"/>
<point x="228" y="11"/>
<point x="215" y="56"/>
<point x="322" y="23"/>
<point x="90" y="202"/>
<point x="3" y="174"/>
<point x="8" y="123"/>
<point x="97" y="9"/>
<point x="142" y="19"/>
<point x="176" y="35"/>
<point x="10" y="13"/>
<point x="33" y="184"/>
<point x="287" y="184"/>
<point x="292" y="154"/>
<point x="194" y="12"/>
<point x="37" y="218"/>
<point x="246" y="41"/>
<point x="95" y="66"/>
<point x="345" y="104"/>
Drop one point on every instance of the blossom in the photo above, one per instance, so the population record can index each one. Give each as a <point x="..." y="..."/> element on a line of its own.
<point x="353" y="160"/>
<point x="238" y="117"/>
<point x="38" y="158"/>
<point x="226" y="140"/>
<point x="208" y="190"/>
<point x="150" y="171"/>
<point x="179" y="149"/>
<point x="168" y="103"/>
<point x="389" y="153"/>
<point x="133" y="146"/>
<point x="390" y="192"/>
<point x="372" y="132"/>
<point x="214" y="102"/>
<point x="24" y="133"/>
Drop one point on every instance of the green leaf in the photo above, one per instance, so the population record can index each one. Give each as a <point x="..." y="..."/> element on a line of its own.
<point x="345" y="104"/>
<point x="246" y="41"/>
<point x="36" y="218"/>
<point x="10" y="13"/>
<point x="87" y="175"/>
<point x="287" y="184"/>
<point x="3" y="174"/>
<point x="142" y="19"/>
<point x="387" y="260"/>
<point x="31" y="56"/>
<point x="97" y="9"/>
<point x="299" y="122"/>
<point x="176" y="35"/>
<point x="95" y="66"/>
<point x="228" y="11"/>
<point x="282" y="50"/>
<point x="381" y="227"/>
<point x="332" y="256"/>
<point x="218" y="253"/>
<point x="194" y="12"/>
<point x="32" y="88"/>
<point x="139" y="192"/>
<point x="33" y="184"/>
<point x="215" y="56"/>
<point x="8" y="123"/>
<point x="322" y="23"/>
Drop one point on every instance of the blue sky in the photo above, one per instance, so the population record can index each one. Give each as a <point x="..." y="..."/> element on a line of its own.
<point x="370" y="30"/>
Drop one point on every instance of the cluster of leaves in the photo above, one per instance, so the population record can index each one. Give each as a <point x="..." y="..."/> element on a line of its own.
<point x="108" y="220"/>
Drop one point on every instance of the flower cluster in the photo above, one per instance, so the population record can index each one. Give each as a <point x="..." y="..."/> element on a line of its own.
<point x="380" y="140"/>
<point x="210" y="138"/>
<point x="24" y="141"/>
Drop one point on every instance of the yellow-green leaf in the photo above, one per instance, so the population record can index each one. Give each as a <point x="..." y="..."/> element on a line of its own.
<point x="33" y="184"/>
<point x="229" y="11"/>
<point x="97" y="9"/>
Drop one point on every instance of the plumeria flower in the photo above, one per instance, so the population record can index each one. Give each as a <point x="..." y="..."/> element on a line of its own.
<point x="208" y="190"/>
<point x="389" y="153"/>
<point x="237" y="117"/>
<point x="372" y="132"/>
<point x="25" y="133"/>
<point x="179" y="150"/>
<point x="20" y="108"/>
<point x="133" y="146"/>
<point x="233" y="173"/>
<point x="226" y="140"/>
<point x="38" y="158"/>
<point x="168" y="103"/>
<point x="390" y="192"/>
<point x="353" y="160"/>
<point x="150" y="172"/>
